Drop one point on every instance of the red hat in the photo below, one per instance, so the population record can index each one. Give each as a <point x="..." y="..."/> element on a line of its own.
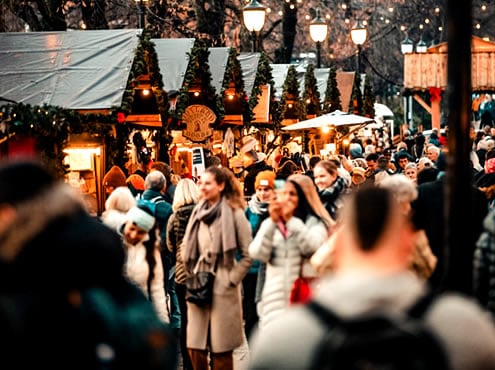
<point x="114" y="177"/>
<point x="136" y="181"/>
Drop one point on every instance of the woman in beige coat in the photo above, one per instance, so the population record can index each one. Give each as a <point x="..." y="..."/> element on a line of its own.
<point x="217" y="238"/>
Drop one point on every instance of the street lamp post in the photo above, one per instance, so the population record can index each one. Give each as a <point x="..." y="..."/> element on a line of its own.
<point x="421" y="46"/>
<point x="254" y="19"/>
<point x="141" y="18"/>
<point x="359" y="33"/>
<point x="318" y="30"/>
<point x="407" y="47"/>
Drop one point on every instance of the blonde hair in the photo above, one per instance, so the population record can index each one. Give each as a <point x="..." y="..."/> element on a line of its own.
<point x="121" y="199"/>
<point x="186" y="192"/>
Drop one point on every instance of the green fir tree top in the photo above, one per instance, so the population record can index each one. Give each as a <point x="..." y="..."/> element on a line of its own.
<point x="332" y="94"/>
<point x="311" y="95"/>
<point x="290" y="95"/>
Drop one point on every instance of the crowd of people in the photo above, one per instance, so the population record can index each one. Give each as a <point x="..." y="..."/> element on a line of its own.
<point x="366" y="227"/>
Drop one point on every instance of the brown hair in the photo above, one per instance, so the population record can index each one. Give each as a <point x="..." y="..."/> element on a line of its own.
<point x="232" y="190"/>
<point x="328" y="166"/>
<point x="308" y="196"/>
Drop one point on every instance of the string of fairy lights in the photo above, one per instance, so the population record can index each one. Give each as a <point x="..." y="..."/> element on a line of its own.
<point x="424" y="18"/>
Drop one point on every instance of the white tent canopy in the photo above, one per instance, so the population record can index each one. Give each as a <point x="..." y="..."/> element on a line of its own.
<point x="337" y="118"/>
<point x="381" y="110"/>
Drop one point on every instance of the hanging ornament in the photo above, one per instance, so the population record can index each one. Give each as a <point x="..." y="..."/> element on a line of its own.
<point x="120" y="117"/>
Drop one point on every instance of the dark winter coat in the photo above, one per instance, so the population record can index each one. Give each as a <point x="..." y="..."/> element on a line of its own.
<point x="484" y="265"/>
<point x="175" y="234"/>
<point x="55" y="252"/>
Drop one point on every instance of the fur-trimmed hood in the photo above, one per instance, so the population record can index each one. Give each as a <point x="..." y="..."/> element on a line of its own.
<point x="33" y="216"/>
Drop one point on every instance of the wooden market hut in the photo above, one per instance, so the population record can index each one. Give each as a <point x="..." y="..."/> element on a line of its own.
<point x="65" y="96"/>
<point x="427" y="72"/>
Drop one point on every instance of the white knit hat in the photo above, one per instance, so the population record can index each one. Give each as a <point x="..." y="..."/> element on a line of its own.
<point x="140" y="218"/>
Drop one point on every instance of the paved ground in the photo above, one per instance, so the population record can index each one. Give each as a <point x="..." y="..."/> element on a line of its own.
<point x="241" y="357"/>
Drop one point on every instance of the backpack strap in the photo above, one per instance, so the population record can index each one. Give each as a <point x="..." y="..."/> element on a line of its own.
<point x="419" y="308"/>
<point x="325" y="314"/>
<point x="157" y="199"/>
<point x="336" y="328"/>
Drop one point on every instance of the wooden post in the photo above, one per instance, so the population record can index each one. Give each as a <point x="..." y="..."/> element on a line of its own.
<point x="458" y="193"/>
<point x="435" y="99"/>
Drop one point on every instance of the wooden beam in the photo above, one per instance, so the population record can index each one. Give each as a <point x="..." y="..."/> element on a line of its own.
<point x="422" y="103"/>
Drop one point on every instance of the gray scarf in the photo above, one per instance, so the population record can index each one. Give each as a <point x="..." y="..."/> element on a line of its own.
<point x="258" y="207"/>
<point x="225" y="243"/>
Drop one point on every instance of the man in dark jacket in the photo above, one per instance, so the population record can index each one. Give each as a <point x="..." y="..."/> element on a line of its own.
<point x="253" y="165"/>
<point x="428" y="214"/>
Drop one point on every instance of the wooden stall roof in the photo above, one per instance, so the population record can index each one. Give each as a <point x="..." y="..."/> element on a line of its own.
<point x="217" y="60"/>
<point x="173" y="60"/>
<point x="83" y="70"/>
<point x="249" y="65"/>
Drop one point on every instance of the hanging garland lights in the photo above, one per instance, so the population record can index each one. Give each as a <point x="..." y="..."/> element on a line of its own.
<point x="233" y="74"/>
<point x="197" y="77"/>
<point x="52" y="126"/>
<point x="264" y="77"/>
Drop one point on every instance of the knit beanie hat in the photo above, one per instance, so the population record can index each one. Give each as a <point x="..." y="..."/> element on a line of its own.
<point x="136" y="181"/>
<point x="355" y="150"/>
<point x="265" y="178"/>
<point x="141" y="218"/>
<point x="114" y="177"/>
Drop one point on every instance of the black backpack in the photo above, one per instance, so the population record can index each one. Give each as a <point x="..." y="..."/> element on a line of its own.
<point x="103" y="332"/>
<point x="378" y="341"/>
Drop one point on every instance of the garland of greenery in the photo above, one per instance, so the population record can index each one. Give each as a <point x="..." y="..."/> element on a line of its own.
<point x="198" y="75"/>
<point x="263" y="77"/>
<point x="311" y="95"/>
<point x="52" y="126"/>
<point x="233" y="73"/>
<point x="291" y="93"/>
<point x="332" y="93"/>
